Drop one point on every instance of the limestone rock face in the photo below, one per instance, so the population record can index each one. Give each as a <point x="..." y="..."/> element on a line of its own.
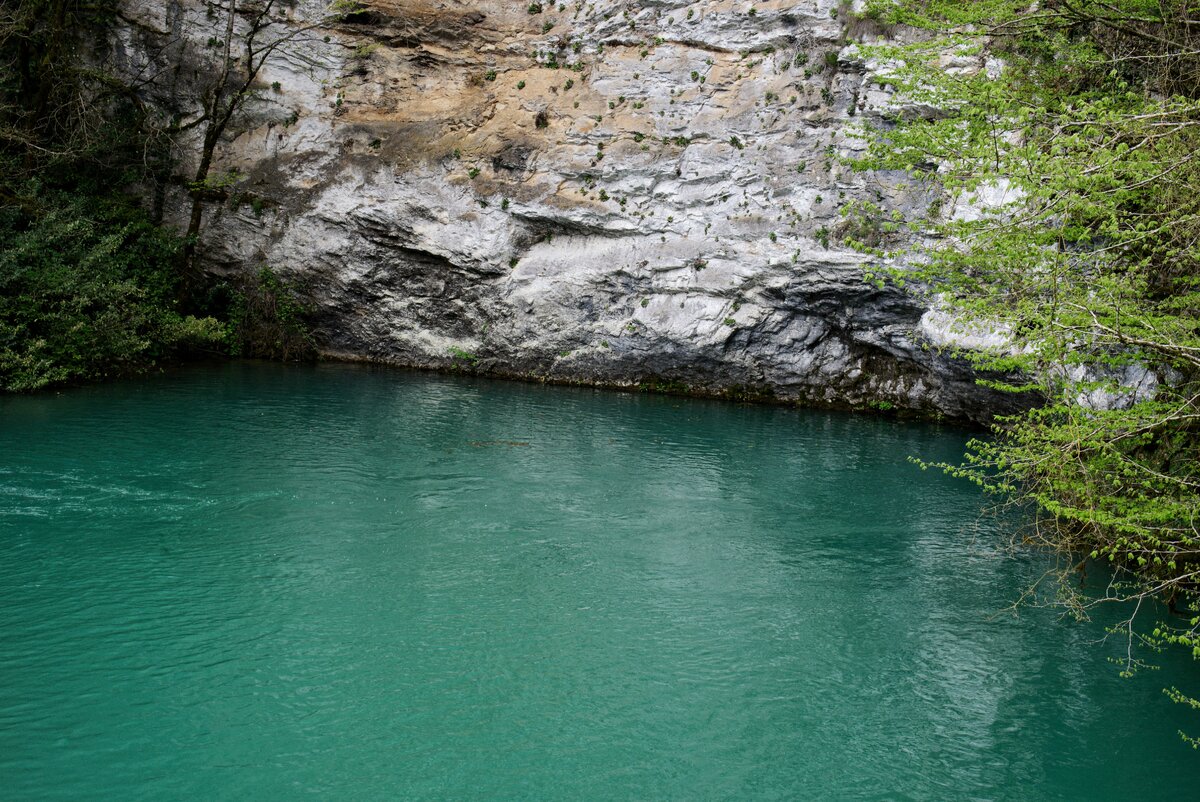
<point x="607" y="192"/>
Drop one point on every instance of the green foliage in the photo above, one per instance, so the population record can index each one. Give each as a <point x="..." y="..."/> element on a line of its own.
<point x="866" y="227"/>
<point x="1076" y="145"/>
<point x="461" y="355"/>
<point x="90" y="287"/>
<point x="87" y="290"/>
<point x="268" y="319"/>
<point x="88" y="284"/>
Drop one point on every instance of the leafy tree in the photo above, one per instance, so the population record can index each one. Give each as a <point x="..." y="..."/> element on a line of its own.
<point x="1059" y="143"/>
<point x="87" y="283"/>
<point x="89" y="287"/>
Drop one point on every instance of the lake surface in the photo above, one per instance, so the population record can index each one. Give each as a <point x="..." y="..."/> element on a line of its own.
<point x="256" y="582"/>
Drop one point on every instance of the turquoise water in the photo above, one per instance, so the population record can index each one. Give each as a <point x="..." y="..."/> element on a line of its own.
<point x="252" y="582"/>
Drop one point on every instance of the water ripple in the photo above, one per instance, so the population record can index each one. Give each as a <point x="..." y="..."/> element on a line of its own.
<point x="265" y="583"/>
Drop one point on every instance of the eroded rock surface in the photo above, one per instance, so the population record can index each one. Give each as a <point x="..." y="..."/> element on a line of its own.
<point x="610" y="192"/>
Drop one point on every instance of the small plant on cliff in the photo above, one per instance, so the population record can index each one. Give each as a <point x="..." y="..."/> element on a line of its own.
<point x="534" y="8"/>
<point x="459" y="355"/>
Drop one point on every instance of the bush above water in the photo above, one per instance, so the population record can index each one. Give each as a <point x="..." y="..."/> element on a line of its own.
<point x="88" y="290"/>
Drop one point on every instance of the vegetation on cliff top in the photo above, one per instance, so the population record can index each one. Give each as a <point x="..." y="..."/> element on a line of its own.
<point x="1074" y="142"/>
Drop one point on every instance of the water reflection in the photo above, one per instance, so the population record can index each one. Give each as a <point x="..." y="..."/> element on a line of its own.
<point x="261" y="582"/>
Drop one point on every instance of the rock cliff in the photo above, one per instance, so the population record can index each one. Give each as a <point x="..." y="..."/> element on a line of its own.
<point x="608" y="192"/>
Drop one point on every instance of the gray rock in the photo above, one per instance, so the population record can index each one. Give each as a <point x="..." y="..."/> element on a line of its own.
<point x="666" y="213"/>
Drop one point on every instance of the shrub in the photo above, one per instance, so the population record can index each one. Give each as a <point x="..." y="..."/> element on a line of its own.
<point x="269" y="320"/>
<point x="88" y="290"/>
